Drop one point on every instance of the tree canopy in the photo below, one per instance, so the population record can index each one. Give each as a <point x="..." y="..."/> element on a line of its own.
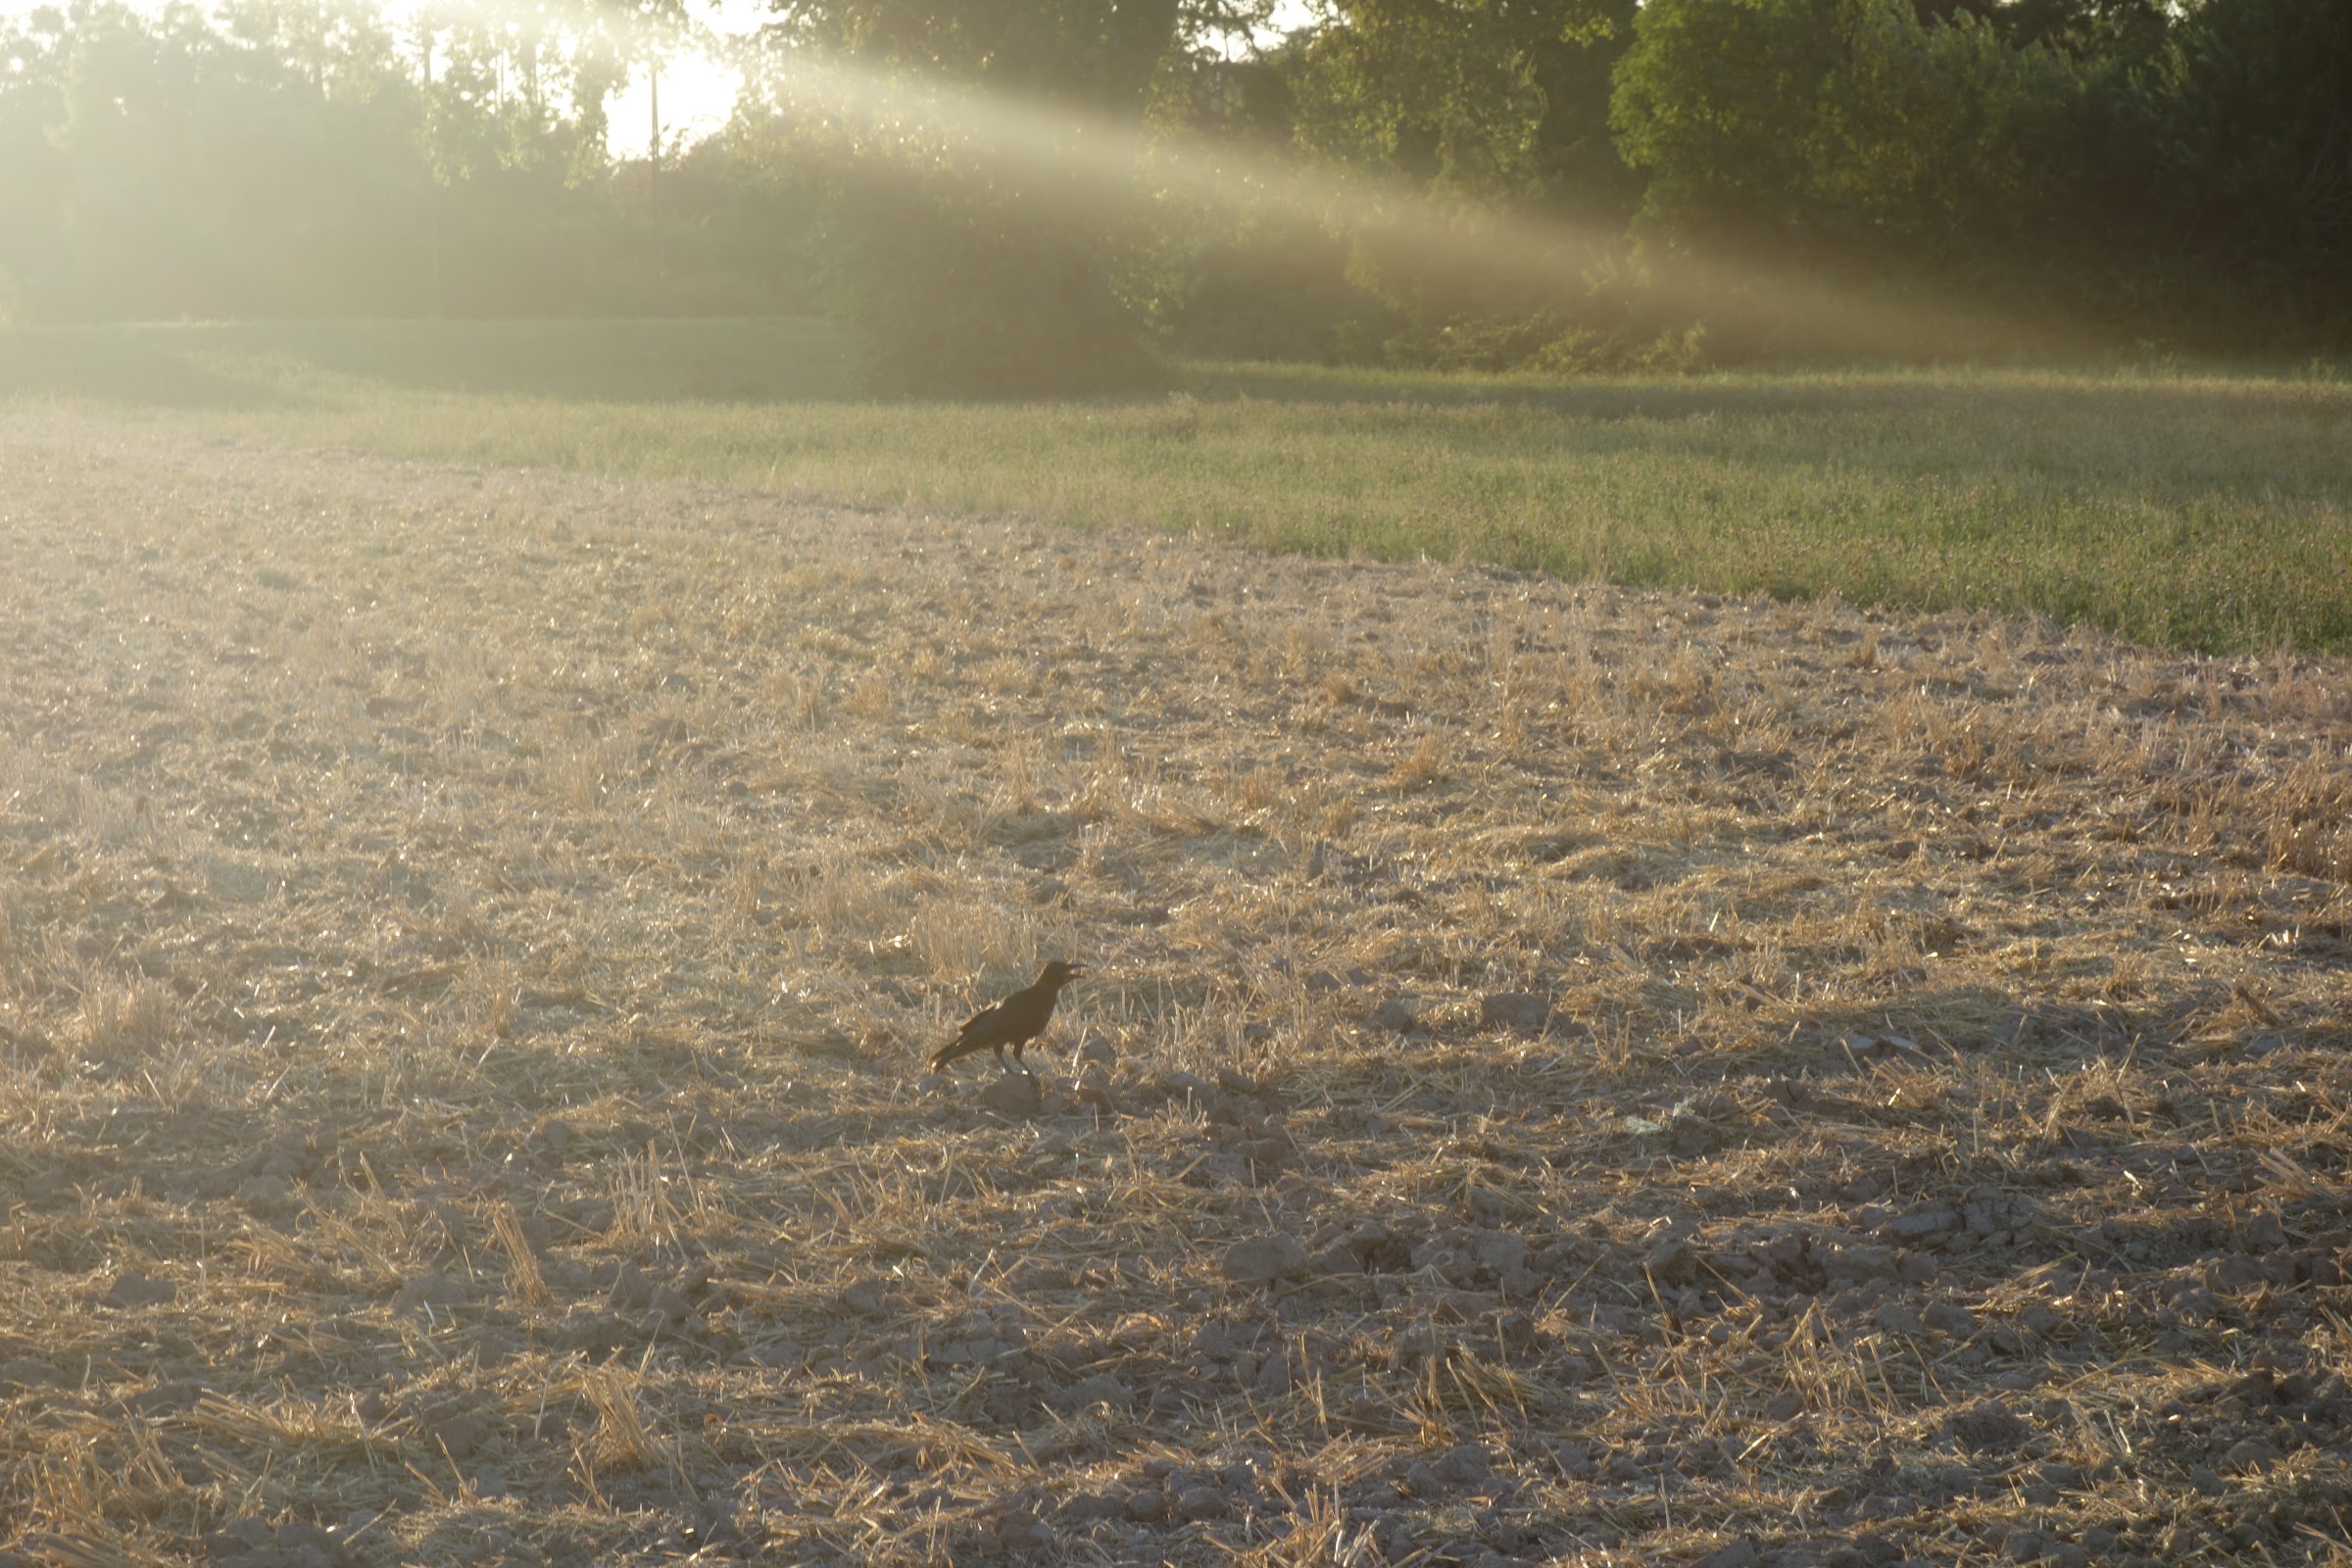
<point x="1024" y="195"/>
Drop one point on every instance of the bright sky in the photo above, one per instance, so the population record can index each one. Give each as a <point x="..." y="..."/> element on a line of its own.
<point x="698" y="92"/>
<point x="698" y="89"/>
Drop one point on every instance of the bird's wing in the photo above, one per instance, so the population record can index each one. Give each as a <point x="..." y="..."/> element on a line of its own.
<point x="981" y="1019"/>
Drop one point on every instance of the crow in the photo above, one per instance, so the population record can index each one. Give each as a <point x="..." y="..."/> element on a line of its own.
<point x="1015" y="1022"/>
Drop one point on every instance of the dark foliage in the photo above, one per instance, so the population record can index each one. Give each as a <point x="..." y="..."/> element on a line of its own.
<point x="1705" y="180"/>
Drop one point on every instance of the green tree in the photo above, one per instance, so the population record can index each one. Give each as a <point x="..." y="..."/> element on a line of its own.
<point x="2230" y="176"/>
<point x="1717" y="103"/>
<point x="1461" y="110"/>
<point x="1885" y="180"/>
<point x="2095" y="165"/>
<point x="33" y="181"/>
<point x="979" y="157"/>
<point x="1937" y="144"/>
<point x="1503" y="99"/>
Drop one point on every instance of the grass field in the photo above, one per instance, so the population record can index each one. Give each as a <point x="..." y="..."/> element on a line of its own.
<point x="1571" y="1075"/>
<point x="2199" y="511"/>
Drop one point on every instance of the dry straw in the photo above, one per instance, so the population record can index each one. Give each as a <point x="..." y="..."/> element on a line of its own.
<point x="1567" y="1074"/>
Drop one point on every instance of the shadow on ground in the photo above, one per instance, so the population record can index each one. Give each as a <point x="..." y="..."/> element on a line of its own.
<point x="291" y="364"/>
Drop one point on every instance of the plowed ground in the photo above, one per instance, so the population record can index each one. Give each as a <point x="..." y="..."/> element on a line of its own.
<point x="1568" y="1074"/>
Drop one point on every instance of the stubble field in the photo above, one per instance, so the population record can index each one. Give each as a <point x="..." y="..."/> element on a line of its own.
<point x="1569" y="1074"/>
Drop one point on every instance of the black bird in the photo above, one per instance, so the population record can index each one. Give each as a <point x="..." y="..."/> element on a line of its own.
<point x="1015" y="1022"/>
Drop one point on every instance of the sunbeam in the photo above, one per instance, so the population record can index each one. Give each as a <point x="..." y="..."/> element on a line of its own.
<point x="1112" y="162"/>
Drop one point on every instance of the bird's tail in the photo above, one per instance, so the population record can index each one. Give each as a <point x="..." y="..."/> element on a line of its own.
<point x="953" y="1051"/>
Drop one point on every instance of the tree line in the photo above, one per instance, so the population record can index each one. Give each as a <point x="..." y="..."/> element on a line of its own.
<point x="1018" y="195"/>
<point x="309" y="159"/>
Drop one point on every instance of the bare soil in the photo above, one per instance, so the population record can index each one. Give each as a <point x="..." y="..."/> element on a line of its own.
<point x="1568" y="1075"/>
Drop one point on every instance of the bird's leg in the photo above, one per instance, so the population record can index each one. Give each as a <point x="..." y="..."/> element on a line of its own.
<point x="1023" y="1062"/>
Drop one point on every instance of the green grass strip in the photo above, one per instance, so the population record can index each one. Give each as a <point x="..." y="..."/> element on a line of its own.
<point x="2206" y="512"/>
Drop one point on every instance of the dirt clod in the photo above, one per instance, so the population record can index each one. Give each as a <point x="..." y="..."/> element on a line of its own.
<point x="1013" y="1093"/>
<point x="1261" y="1260"/>
<point x="1949" y="1318"/>
<point x="1519" y="1010"/>
<point x="1988" y="1427"/>
<point x="130" y="1292"/>
<point x="428" y="1290"/>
